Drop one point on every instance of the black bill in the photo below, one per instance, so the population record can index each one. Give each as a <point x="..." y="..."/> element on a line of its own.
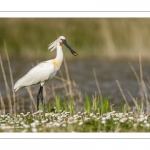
<point x="72" y="51"/>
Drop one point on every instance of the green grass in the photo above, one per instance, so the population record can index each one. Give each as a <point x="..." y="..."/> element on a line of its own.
<point x="97" y="105"/>
<point x="90" y="106"/>
<point x="98" y="118"/>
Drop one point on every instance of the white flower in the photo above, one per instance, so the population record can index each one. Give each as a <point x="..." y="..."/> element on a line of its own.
<point x="75" y="121"/>
<point x="94" y="116"/>
<point x="103" y="121"/>
<point x="47" y="114"/>
<point x="107" y="117"/>
<point x="130" y="118"/>
<point x="79" y="113"/>
<point x="34" y="130"/>
<point x="80" y="123"/>
<point x="33" y="125"/>
<point x="20" y="119"/>
<point x="63" y="116"/>
<point x="145" y="117"/>
<point x="85" y="119"/>
<point x="91" y="114"/>
<point x="64" y="125"/>
<point x="115" y="119"/>
<point x="112" y="112"/>
<point x="11" y="122"/>
<point x="39" y="111"/>
<point x="36" y="121"/>
<point x="120" y="114"/>
<point x="147" y="125"/>
<point x="75" y="116"/>
<point x="8" y="117"/>
<point x="67" y="113"/>
<point x="140" y="119"/>
<point x="26" y="126"/>
<point x="141" y="116"/>
<point x="104" y="118"/>
<point x="123" y="120"/>
<point x="44" y="121"/>
<point x="56" y="124"/>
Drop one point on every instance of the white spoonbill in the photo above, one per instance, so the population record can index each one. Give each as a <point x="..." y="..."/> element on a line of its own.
<point x="46" y="70"/>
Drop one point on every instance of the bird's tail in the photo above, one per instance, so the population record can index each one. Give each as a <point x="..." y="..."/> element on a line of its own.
<point x="17" y="85"/>
<point x="16" y="88"/>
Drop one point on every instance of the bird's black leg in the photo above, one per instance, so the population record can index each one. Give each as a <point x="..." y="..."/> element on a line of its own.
<point x="44" y="109"/>
<point x="39" y="97"/>
<point x="42" y="94"/>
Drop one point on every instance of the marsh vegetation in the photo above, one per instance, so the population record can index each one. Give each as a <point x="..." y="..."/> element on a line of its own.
<point x="68" y="108"/>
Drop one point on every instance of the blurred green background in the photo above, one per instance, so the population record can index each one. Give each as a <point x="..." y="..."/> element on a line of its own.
<point x="112" y="38"/>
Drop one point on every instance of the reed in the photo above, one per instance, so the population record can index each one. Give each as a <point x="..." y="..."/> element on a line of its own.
<point x="124" y="97"/>
<point x="31" y="97"/>
<point x="11" y="76"/>
<point x="6" y="87"/>
<point x="143" y="88"/>
<point x="2" y="104"/>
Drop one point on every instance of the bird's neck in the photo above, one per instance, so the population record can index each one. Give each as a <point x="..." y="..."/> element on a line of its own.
<point x="59" y="53"/>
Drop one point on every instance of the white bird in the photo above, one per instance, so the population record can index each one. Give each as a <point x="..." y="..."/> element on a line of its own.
<point x="46" y="70"/>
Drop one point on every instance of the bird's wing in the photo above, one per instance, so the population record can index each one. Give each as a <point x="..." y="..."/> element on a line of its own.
<point x="39" y="74"/>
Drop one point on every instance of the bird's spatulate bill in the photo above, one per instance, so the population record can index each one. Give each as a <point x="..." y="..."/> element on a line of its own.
<point x="72" y="51"/>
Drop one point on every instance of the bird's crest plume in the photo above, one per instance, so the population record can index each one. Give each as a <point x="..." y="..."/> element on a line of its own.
<point x="53" y="45"/>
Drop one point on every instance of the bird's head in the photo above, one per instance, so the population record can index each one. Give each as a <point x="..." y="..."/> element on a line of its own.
<point x="61" y="40"/>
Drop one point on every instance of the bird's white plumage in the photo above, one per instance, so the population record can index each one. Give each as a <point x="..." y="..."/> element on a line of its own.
<point x="39" y="74"/>
<point x="44" y="71"/>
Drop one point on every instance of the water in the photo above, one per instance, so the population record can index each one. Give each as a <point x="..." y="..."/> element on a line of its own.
<point x="81" y="72"/>
<point x="107" y="73"/>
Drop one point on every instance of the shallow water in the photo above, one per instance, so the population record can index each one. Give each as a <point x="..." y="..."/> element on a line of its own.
<point x="107" y="73"/>
<point x="81" y="72"/>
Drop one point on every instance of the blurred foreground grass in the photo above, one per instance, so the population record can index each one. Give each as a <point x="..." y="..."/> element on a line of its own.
<point x="91" y="37"/>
